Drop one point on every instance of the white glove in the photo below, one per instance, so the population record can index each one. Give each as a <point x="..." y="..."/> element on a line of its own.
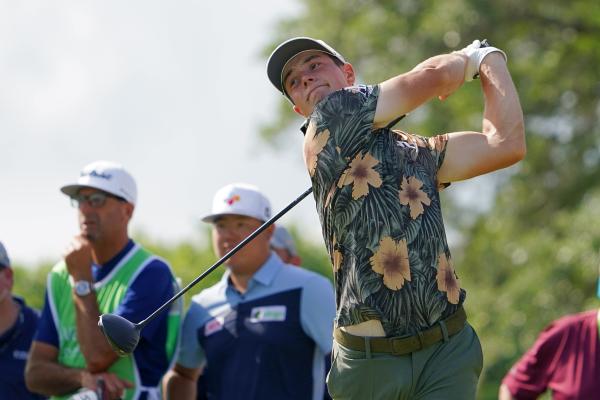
<point x="476" y="52"/>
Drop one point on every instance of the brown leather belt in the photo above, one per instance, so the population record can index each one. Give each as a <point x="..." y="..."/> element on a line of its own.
<point x="405" y="345"/>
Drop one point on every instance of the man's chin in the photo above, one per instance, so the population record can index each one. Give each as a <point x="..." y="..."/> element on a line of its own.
<point x="90" y="235"/>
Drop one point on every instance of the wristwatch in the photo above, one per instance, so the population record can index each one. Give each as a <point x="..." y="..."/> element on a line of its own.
<point x="82" y="288"/>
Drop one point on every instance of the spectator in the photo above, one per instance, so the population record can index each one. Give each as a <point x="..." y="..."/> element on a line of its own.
<point x="264" y="331"/>
<point x="103" y="271"/>
<point x="18" y="323"/>
<point x="565" y="358"/>
<point x="282" y="244"/>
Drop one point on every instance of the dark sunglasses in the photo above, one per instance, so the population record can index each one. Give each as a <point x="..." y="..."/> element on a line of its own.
<point x="95" y="200"/>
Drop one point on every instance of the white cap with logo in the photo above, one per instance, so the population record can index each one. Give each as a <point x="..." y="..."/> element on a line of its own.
<point x="107" y="176"/>
<point x="240" y="199"/>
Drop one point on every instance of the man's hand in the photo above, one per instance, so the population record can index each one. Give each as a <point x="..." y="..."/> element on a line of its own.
<point x="78" y="257"/>
<point x="113" y="386"/>
<point x="475" y="53"/>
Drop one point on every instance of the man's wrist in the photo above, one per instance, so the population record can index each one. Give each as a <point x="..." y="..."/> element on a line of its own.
<point x="83" y="288"/>
<point x="476" y="52"/>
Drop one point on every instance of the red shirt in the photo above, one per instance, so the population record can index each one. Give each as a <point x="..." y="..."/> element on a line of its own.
<point x="565" y="359"/>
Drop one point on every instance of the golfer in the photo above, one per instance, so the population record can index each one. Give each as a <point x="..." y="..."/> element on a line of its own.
<point x="264" y="330"/>
<point x="400" y="328"/>
<point x="103" y="271"/>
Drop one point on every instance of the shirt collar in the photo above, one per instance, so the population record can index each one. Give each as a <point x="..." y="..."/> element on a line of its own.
<point x="304" y="127"/>
<point x="101" y="271"/>
<point x="265" y="274"/>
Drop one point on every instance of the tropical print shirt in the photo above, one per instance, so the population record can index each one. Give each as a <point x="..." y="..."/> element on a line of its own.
<point x="377" y="197"/>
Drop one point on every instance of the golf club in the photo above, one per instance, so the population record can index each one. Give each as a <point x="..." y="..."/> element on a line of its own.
<point x="123" y="335"/>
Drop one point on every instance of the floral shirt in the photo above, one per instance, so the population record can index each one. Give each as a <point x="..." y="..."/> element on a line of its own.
<point x="377" y="197"/>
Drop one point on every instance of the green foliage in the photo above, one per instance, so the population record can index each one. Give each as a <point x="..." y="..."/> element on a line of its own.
<point x="531" y="255"/>
<point x="30" y="283"/>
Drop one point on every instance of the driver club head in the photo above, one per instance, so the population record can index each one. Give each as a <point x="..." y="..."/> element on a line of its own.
<point x="122" y="334"/>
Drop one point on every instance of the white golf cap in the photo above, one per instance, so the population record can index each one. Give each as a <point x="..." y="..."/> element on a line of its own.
<point x="239" y="199"/>
<point x="4" y="260"/>
<point x="107" y="176"/>
<point x="282" y="239"/>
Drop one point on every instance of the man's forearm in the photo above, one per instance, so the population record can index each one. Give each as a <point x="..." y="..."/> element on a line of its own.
<point x="92" y="343"/>
<point x="176" y="386"/>
<point x="503" y="116"/>
<point x="52" y="379"/>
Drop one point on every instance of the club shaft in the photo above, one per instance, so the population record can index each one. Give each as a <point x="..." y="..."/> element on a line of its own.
<point x="244" y="242"/>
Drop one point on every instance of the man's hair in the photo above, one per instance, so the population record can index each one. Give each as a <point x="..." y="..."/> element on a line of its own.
<point x="336" y="60"/>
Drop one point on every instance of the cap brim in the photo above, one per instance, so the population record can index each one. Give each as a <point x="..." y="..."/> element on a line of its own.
<point x="73" y="189"/>
<point x="210" y="218"/>
<point x="213" y="217"/>
<point x="288" y="50"/>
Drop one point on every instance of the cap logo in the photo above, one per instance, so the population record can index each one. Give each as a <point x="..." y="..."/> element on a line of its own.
<point x="232" y="199"/>
<point x="97" y="174"/>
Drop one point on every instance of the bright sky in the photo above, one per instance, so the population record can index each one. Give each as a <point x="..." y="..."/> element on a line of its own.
<point x="175" y="91"/>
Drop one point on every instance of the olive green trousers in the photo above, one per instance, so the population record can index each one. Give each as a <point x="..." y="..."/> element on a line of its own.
<point x="446" y="370"/>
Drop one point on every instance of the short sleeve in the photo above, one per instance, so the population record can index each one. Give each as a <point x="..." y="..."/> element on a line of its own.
<point x="434" y="148"/>
<point x="318" y="311"/>
<point x="348" y="114"/>
<point x="191" y="355"/>
<point x="46" y="329"/>
<point x="339" y="127"/>
<point x="437" y="147"/>
<point x="530" y="376"/>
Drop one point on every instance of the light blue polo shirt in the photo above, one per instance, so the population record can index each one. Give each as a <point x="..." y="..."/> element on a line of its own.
<point x="269" y="342"/>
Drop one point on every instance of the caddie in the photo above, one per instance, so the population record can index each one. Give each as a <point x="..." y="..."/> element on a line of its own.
<point x="103" y="271"/>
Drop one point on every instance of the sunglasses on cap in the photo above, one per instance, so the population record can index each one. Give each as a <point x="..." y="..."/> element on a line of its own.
<point x="94" y="200"/>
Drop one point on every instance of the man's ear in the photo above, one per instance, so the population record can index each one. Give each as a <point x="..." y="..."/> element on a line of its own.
<point x="298" y="111"/>
<point x="270" y="230"/>
<point x="128" y="210"/>
<point x="349" y="73"/>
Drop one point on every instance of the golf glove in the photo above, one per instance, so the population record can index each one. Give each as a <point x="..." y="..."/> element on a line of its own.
<point x="476" y="52"/>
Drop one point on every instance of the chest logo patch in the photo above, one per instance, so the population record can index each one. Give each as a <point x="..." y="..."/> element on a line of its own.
<point x="268" y="314"/>
<point x="213" y="326"/>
